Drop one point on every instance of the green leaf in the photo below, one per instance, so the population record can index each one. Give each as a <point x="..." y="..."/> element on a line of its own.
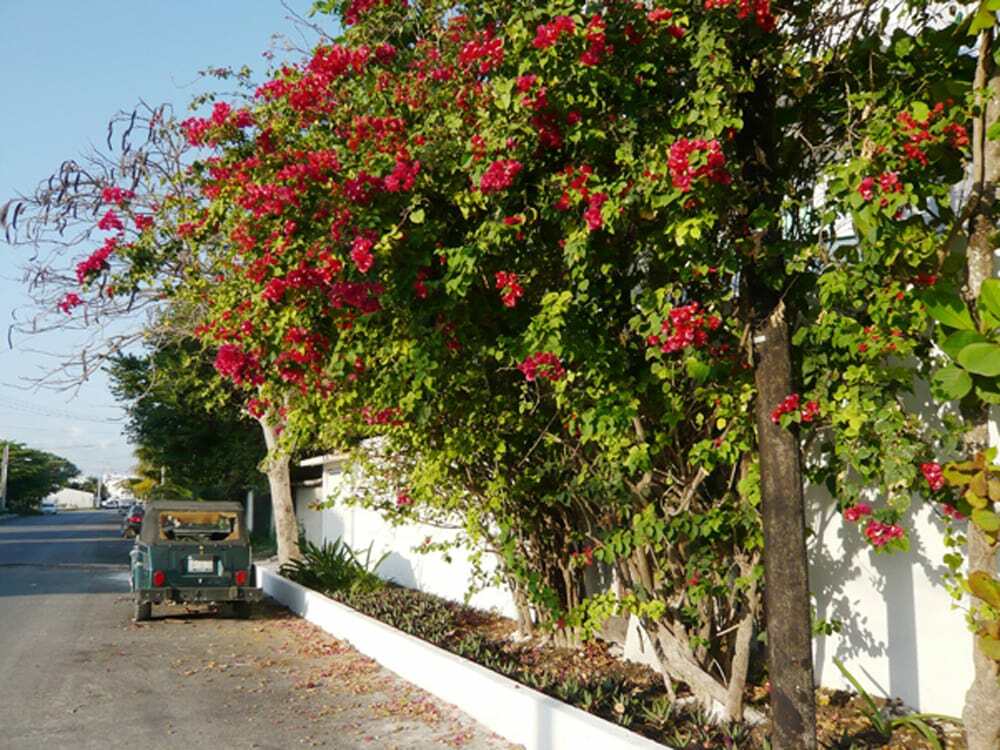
<point x="959" y="340"/>
<point x="984" y="19"/>
<point x="982" y="359"/>
<point x="985" y="587"/>
<point x="987" y="520"/>
<point x="947" y="308"/>
<point x="950" y="383"/>
<point x="418" y="216"/>
<point x="993" y="131"/>
<point x="696" y="369"/>
<point x="990" y="647"/>
<point x="988" y="304"/>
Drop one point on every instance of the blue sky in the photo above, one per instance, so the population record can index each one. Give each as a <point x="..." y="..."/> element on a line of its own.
<point x="67" y="67"/>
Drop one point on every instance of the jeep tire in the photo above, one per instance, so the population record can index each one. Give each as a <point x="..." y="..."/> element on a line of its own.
<point x="143" y="611"/>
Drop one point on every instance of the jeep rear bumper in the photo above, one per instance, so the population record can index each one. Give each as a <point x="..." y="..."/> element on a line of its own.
<point x="199" y="594"/>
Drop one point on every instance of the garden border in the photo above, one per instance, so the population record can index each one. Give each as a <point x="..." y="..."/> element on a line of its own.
<point x="514" y="711"/>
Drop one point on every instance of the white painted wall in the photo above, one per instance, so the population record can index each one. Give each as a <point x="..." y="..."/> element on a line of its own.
<point x="360" y="527"/>
<point x="900" y="638"/>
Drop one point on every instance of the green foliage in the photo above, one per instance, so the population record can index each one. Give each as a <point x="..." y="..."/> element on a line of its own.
<point x="181" y="424"/>
<point x="33" y="475"/>
<point x="335" y="568"/>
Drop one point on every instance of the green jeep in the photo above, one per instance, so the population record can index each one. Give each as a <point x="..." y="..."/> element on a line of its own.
<point x="192" y="552"/>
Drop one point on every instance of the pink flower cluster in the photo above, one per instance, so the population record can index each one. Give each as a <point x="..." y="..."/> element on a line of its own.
<point x="542" y="365"/>
<point x="511" y="290"/>
<point x="683" y="175"/>
<point x="499" y="175"/>
<point x="888" y="182"/>
<point x="952" y="512"/>
<point x="760" y="9"/>
<point x="597" y="44"/>
<point x="357" y="8"/>
<point x="389" y="416"/>
<point x="791" y="403"/>
<point x="68" y="302"/>
<point x="110" y="222"/>
<point x="880" y="534"/>
<point x="856" y="512"/>
<point x="98" y="260"/>
<point x="403" y="499"/>
<point x="932" y="473"/>
<point x="361" y="252"/>
<point x="402" y="177"/>
<point x="592" y="214"/>
<point x="234" y="363"/>
<point x="787" y="406"/>
<point x="116" y="196"/>
<point x="685" y="326"/>
<point x="547" y="34"/>
<point x="486" y="50"/>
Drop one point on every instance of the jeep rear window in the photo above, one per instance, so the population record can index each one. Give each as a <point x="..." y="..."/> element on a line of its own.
<point x="199" y="526"/>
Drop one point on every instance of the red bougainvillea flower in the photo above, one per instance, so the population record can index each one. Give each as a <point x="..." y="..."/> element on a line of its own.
<point x="68" y="302"/>
<point x="234" y="363"/>
<point x="499" y="175"/>
<point x="98" y="260"/>
<point x="403" y="499"/>
<point x="787" y="406"/>
<point x="880" y="534"/>
<point x="686" y="325"/>
<point x="256" y="408"/>
<point x="547" y="34"/>
<point x="952" y="512"/>
<point x="542" y="365"/>
<point x="143" y="222"/>
<point x="508" y="284"/>
<point x="593" y="213"/>
<point x="110" y="222"/>
<point x="683" y="175"/>
<point x="810" y="411"/>
<point x="361" y="253"/>
<point x="856" y="512"/>
<point x="932" y="473"/>
<point x="116" y="196"/>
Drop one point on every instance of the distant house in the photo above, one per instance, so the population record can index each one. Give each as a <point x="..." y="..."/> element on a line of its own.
<point x="70" y="498"/>
<point x="119" y="487"/>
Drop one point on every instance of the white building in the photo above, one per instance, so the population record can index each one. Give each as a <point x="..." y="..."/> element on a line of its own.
<point x="119" y="487"/>
<point x="70" y="498"/>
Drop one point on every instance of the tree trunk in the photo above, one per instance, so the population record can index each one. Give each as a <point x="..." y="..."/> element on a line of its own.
<point x="786" y="575"/>
<point x="279" y="479"/>
<point x="981" y="712"/>
<point x="741" y="658"/>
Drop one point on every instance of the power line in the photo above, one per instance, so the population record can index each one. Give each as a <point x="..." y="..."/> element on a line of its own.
<point x="36" y="411"/>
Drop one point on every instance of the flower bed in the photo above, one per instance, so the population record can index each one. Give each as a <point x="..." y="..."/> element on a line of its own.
<point x="591" y="678"/>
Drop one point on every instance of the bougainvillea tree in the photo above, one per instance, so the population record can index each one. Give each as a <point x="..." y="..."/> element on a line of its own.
<point x="592" y="276"/>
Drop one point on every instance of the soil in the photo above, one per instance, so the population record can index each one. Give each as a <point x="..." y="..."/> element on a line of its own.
<point x="642" y="704"/>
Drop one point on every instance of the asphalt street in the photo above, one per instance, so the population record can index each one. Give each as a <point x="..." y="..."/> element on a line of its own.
<point x="76" y="671"/>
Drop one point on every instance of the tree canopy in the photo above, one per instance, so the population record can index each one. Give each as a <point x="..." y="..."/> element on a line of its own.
<point x="33" y="475"/>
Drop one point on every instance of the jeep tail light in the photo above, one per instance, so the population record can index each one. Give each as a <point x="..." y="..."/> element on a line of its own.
<point x="241" y="577"/>
<point x="135" y="519"/>
<point x="159" y="578"/>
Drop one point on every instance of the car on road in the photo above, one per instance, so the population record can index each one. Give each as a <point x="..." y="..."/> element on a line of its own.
<point x="109" y="504"/>
<point x="49" y="507"/>
<point x="189" y="551"/>
<point x="133" y="520"/>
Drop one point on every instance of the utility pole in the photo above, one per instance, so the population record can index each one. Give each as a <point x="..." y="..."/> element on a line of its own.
<point x="3" y="477"/>
<point x="97" y="495"/>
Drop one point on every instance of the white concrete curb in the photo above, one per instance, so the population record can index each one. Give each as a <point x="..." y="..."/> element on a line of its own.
<point x="512" y="710"/>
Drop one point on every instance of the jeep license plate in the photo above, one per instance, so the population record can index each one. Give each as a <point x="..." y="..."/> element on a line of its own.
<point x="200" y="566"/>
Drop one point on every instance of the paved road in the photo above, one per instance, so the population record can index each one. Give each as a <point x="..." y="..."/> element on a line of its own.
<point x="75" y="671"/>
